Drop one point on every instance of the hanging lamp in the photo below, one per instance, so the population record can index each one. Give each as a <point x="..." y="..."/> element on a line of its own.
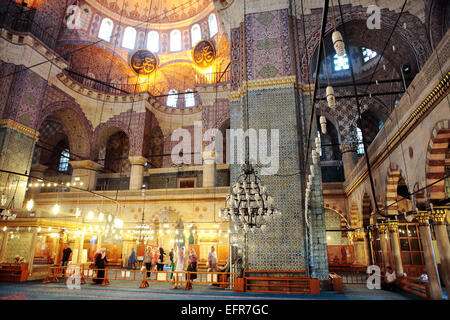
<point x="323" y="124"/>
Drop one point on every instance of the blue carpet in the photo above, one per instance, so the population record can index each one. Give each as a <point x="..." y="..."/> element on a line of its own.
<point x="34" y="290"/>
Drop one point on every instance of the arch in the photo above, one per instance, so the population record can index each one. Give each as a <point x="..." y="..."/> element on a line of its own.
<point x="129" y="38"/>
<point x="212" y="24"/>
<point x="104" y="131"/>
<point x="196" y="34"/>
<point x="437" y="152"/>
<point x="406" y="39"/>
<point x="74" y="122"/>
<point x="394" y="180"/>
<point x="175" y="40"/>
<point x="106" y="29"/>
<point x="153" y="41"/>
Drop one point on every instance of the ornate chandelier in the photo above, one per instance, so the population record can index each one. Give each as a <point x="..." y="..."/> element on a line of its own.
<point x="249" y="206"/>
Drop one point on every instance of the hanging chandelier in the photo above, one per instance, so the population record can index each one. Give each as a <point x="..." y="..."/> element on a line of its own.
<point x="249" y="206"/>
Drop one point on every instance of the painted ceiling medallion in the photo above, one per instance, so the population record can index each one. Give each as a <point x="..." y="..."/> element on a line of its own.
<point x="144" y="62"/>
<point x="204" y="54"/>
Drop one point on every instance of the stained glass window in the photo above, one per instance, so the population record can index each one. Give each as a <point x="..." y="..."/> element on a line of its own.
<point x="64" y="160"/>
<point x="189" y="99"/>
<point x="368" y="54"/>
<point x="196" y="34"/>
<point x="212" y="22"/>
<point x="360" y="149"/>
<point x="129" y="38"/>
<point x="153" y="41"/>
<point x="175" y="40"/>
<point x="172" y="98"/>
<point x="340" y="63"/>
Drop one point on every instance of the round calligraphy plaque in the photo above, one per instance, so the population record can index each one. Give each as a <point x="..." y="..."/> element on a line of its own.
<point x="144" y="62"/>
<point x="204" y="54"/>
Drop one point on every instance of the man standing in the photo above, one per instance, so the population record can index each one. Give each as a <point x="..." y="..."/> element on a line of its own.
<point x="212" y="259"/>
<point x="66" y="256"/>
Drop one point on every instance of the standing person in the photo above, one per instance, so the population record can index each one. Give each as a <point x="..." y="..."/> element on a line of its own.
<point x="66" y="255"/>
<point x="160" y="261"/>
<point x="100" y="260"/>
<point x="155" y="258"/>
<point x="172" y="263"/>
<point x="179" y="266"/>
<point x="132" y="260"/>
<point x="192" y="267"/>
<point x="148" y="260"/>
<point x="212" y="260"/>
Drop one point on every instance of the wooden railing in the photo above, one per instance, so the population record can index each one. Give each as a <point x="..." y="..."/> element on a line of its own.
<point x="415" y="286"/>
<point x="280" y="282"/>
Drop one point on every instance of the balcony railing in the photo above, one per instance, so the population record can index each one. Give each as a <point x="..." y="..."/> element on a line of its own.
<point x="22" y="19"/>
<point x="213" y="78"/>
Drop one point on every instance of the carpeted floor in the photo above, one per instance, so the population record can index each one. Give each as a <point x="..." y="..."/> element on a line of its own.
<point x="36" y="290"/>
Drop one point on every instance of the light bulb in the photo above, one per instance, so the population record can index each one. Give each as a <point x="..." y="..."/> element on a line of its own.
<point x="30" y="204"/>
<point x="56" y="208"/>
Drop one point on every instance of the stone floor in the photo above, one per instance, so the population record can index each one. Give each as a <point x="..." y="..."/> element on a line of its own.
<point x="36" y="290"/>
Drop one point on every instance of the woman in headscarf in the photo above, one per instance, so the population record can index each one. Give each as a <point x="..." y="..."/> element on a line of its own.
<point x="148" y="260"/>
<point x="132" y="259"/>
<point x="192" y="267"/>
<point x="160" y="261"/>
<point x="100" y="260"/>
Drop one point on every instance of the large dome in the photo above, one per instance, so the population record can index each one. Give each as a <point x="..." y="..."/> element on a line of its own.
<point x="162" y="11"/>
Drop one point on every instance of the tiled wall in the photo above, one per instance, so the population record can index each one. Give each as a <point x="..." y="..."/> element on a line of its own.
<point x="19" y="245"/>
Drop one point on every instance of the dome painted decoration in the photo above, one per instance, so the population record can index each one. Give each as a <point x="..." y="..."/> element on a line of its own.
<point x="204" y="54"/>
<point x="144" y="62"/>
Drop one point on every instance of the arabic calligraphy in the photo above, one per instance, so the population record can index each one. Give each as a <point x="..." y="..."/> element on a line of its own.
<point x="204" y="54"/>
<point x="144" y="62"/>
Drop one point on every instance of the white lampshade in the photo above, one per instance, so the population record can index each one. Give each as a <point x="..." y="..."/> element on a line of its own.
<point x="331" y="99"/>
<point x="338" y="43"/>
<point x="323" y="124"/>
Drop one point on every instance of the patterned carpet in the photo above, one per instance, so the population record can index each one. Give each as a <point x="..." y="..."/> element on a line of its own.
<point x="35" y="290"/>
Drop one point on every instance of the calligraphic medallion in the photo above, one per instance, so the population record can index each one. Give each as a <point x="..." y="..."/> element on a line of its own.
<point x="144" y="62"/>
<point x="204" y="54"/>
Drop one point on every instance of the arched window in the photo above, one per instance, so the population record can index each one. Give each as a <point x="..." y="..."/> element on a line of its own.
<point x="196" y="34"/>
<point x="106" y="29"/>
<point x="64" y="160"/>
<point x="368" y="54"/>
<point x="360" y="148"/>
<point x="340" y="63"/>
<point x="175" y="40"/>
<point x="189" y="98"/>
<point x="129" y="38"/>
<point x="153" y="41"/>
<point x="212" y="23"/>
<point x="172" y="98"/>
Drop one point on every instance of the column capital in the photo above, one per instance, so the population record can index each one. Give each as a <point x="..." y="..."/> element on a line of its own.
<point x="438" y="215"/>
<point x="423" y="217"/>
<point x="209" y="155"/>
<point x="393" y="226"/>
<point x="21" y="128"/>
<point x="382" y="227"/>
<point x="138" y="160"/>
<point x="85" y="164"/>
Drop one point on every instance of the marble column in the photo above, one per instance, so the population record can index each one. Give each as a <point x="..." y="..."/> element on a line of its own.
<point x="16" y="149"/>
<point x="30" y="257"/>
<point x="430" y="258"/>
<point x="3" y="245"/>
<point x="80" y="248"/>
<point x="349" y="157"/>
<point x="442" y="241"/>
<point x="209" y="169"/>
<point x="137" y="172"/>
<point x="384" y="245"/>
<point x="84" y="174"/>
<point x="395" y="246"/>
